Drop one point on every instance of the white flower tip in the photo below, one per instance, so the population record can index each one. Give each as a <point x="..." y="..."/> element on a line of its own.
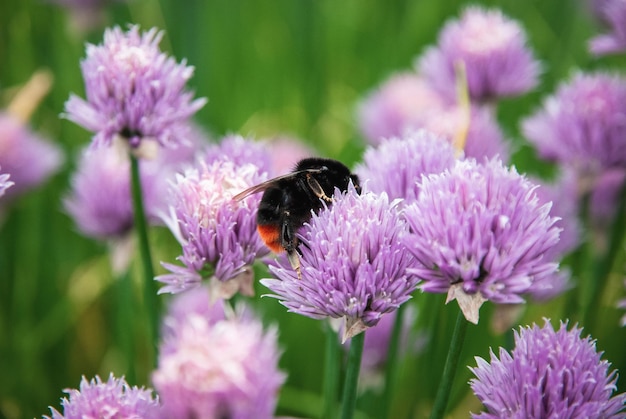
<point x="224" y="290"/>
<point x="353" y="327"/>
<point x="148" y="149"/>
<point x="468" y="303"/>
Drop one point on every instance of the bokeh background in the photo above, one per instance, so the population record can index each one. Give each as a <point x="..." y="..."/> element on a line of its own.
<point x="268" y="68"/>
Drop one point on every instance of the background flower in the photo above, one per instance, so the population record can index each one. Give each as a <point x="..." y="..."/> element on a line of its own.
<point x="613" y="14"/>
<point x="100" y="200"/>
<point x="211" y="366"/>
<point x="480" y="233"/>
<point x="113" y="399"/>
<point x="133" y="90"/>
<point x="353" y="263"/>
<point x="397" y="164"/>
<point x="240" y="151"/>
<point x="493" y="49"/>
<point x="548" y="374"/>
<point x="406" y="102"/>
<point x="398" y="104"/>
<point x="582" y="124"/>
<point x="25" y="156"/>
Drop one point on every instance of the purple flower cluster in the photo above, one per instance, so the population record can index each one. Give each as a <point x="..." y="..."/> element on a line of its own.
<point x="218" y="235"/>
<point x="480" y="233"/>
<point x="113" y="399"/>
<point x="396" y="165"/>
<point x="400" y="103"/>
<point x="583" y="125"/>
<point x="582" y="128"/>
<point x="134" y="91"/>
<point x="275" y="156"/>
<point x="240" y="151"/>
<point x="493" y="50"/>
<point x="613" y="14"/>
<point x="214" y="365"/>
<point x="549" y="374"/>
<point x="26" y="157"/>
<point x="353" y="263"/>
<point x="100" y="200"/>
<point x="406" y="102"/>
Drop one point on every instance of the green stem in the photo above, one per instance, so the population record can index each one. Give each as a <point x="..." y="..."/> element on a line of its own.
<point x="449" y="371"/>
<point x="352" y="376"/>
<point x="580" y="258"/>
<point x="150" y="288"/>
<point x="331" y="372"/>
<point x="603" y="265"/>
<point x="391" y="370"/>
<point x="126" y="323"/>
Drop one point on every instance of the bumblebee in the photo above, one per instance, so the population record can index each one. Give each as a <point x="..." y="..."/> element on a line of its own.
<point x="288" y="201"/>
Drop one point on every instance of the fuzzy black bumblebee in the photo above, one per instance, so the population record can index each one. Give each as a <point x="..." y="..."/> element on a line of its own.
<point x="288" y="200"/>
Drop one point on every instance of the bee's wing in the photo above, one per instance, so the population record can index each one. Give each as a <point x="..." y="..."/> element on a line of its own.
<point x="268" y="183"/>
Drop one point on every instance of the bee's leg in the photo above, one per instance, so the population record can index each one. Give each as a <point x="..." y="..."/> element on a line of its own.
<point x="290" y="243"/>
<point x="294" y="260"/>
<point x="317" y="188"/>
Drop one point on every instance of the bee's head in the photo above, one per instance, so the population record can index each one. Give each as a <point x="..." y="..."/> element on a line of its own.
<point x="332" y="173"/>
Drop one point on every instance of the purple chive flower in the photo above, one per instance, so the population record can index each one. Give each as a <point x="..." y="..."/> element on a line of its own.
<point x="100" y="199"/>
<point x="286" y="152"/>
<point x="240" y="151"/>
<point x="584" y="124"/>
<point x="26" y="157"/>
<point x="353" y="263"/>
<point x="276" y="156"/>
<point x="400" y="103"/>
<point x="196" y="302"/>
<point x="493" y="49"/>
<point x="5" y="183"/>
<point x="213" y="367"/>
<point x="113" y="399"/>
<point x="613" y="14"/>
<point x="134" y="91"/>
<point x="406" y="103"/>
<point x="549" y="374"/>
<point x="480" y="233"/>
<point x="397" y="164"/>
<point x="484" y="138"/>
<point x="218" y="235"/>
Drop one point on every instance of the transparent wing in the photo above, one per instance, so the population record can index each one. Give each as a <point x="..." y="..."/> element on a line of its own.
<point x="268" y="183"/>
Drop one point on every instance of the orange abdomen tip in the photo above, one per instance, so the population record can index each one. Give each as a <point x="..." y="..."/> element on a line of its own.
<point x="270" y="234"/>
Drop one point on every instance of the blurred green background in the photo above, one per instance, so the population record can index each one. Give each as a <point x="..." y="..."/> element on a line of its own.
<point x="267" y="67"/>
